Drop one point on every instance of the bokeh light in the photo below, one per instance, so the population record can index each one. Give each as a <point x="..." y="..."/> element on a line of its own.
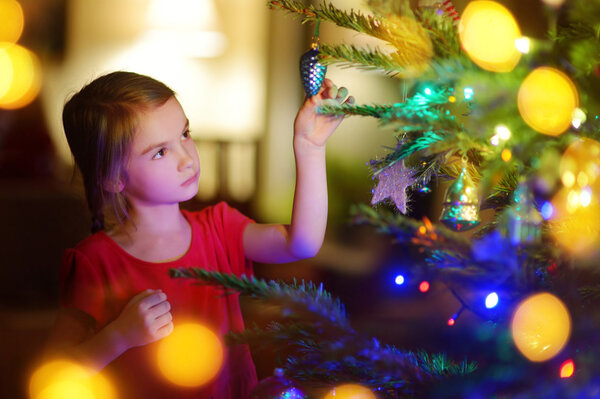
<point x="63" y="379"/>
<point x="399" y="280"/>
<point x="580" y="163"/>
<point x="488" y="32"/>
<point x="546" y="101"/>
<point x="567" y="369"/>
<point x="350" y="391"/>
<point x="491" y="300"/>
<point x="424" y="286"/>
<point x="191" y="355"/>
<point x="11" y="21"/>
<point x="540" y="327"/>
<point x="23" y="75"/>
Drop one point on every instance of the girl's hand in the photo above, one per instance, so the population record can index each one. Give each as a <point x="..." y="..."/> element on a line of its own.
<point x="145" y="319"/>
<point x="313" y="128"/>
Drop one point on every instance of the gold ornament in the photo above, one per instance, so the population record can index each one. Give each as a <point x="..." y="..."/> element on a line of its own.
<point x="461" y="204"/>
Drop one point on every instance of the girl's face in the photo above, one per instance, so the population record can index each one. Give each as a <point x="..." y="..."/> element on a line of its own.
<point x="163" y="166"/>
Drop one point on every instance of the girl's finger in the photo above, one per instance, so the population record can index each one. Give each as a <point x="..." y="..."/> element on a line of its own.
<point x="350" y="101"/>
<point x="342" y="93"/>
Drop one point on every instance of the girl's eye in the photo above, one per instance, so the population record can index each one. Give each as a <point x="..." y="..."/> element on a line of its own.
<point x="187" y="134"/>
<point x="160" y="154"/>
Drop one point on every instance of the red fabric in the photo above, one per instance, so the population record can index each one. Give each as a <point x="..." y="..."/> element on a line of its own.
<point x="99" y="278"/>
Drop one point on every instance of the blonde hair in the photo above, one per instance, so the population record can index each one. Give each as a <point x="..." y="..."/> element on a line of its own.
<point x="100" y="122"/>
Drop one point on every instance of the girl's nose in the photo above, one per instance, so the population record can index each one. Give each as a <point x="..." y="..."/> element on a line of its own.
<point x="186" y="159"/>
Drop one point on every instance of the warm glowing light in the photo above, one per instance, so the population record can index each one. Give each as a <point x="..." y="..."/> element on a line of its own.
<point x="487" y="32"/>
<point x="523" y="44"/>
<point x="506" y="155"/>
<point x="554" y="3"/>
<point x="580" y="163"/>
<point x="350" y="391"/>
<point x="503" y="132"/>
<point x="575" y="220"/>
<point x="451" y="321"/>
<point x="578" y="118"/>
<point x="495" y="140"/>
<point x="491" y="300"/>
<point x="399" y="280"/>
<point x="26" y="76"/>
<point x="546" y="101"/>
<point x="452" y="99"/>
<point x="11" y="21"/>
<point x="424" y="286"/>
<point x="567" y="369"/>
<point x="540" y="327"/>
<point x="62" y="379"/>
<point x="191" y="356"/>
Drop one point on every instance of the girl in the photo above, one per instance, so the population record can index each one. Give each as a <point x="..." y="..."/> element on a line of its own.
<point x="130" y="138"/>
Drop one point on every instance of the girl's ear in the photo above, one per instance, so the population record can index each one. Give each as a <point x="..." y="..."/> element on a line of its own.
<point x="114" y="187"/>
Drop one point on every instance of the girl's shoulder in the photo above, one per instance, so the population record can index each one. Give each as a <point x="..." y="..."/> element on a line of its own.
<point x="96" y="243"/>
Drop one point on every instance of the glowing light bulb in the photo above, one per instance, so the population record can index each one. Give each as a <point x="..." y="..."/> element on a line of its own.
<point x="468" y="92"/>
<point x="578" y="118"/>
<point x="350" y="391"/>
<point x="523" y="44"/>
<point x="424" y="286"/>
<point x="547" y="210"/>
<point x="451" y="321"/>
<point x="495" y="140"/>
<point x="427" y="91"/>
<point x="585" y="196"/>
<point x="399" y="280"/>
<point x="491" y="300"/>
<point x="503" y="132"/>
<point x="506" y="155"/>
<point x="567" y="369"/>
<point x="452" y="99"/>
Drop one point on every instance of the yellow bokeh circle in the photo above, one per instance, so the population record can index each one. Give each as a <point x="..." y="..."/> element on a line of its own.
<point x="191" y="355"/>
<point x="25" y="74"/>
<point x="540" y="327"/>
<point x="487" y="32"/>
<point x="350" y="391"/>
<point x="11" y="21"/>
<point x="580" y="163"/>
<point x="546" y="100"/>
<point x="64" y="379"/>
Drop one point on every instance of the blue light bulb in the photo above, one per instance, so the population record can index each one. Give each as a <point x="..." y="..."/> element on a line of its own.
<point x="399" y="280"/>
<point x="491" y="300"/>
<point x="547" y="210"/>
<point x="468" y="93"/>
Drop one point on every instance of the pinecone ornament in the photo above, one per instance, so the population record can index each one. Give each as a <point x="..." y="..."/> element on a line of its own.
<point x="312" y="72"/>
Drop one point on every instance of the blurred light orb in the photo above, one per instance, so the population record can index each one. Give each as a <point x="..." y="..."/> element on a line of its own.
<point x="11" y="21"/>
<point x="540" y="327"/>
<point x="503" y="132"/>
<point x="547" y="210"/>
<point x="491" y="300"/>
<point x="546" y="101"/>
<point x="554" y="3"/>
<point x="487" y="32"/>
<point x="399" y="280"/>
<point x="63" y="379"/>
<point x="567" y="369"/>
<point x="424" y="286"/>
<point x="578" y="118"/>
<point x="506" y="155"/>
<point x="451" y="321"/>
<point x="350" y="391"/>
<point x="24" y="76"/>
<point x="574" y="224"/>
<point x="468" y="93"/>
<point x="191" y="355"/>
<point x="580" y="163"/>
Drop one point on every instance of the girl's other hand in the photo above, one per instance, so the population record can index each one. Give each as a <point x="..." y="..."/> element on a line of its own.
<point x="316" y="128"/>
<point x="146" y="318"/>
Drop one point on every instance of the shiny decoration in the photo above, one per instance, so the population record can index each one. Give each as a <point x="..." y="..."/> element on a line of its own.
<point x="393" y="183"/>
<point x="524" y="221"/>
<point x="540" y="327"/>
<point x="567" y="369"/>
<point x="350" y="391"/>
<point x="277" y="387"/>
<point x="11" y="21"/>
<point x="191" y="355"/>
<point x="64" y="379"/>
<point x="20" y="76"/>
<point x="546" y="100"/>
<point x="461" y="204"/>
<point x="487" y="32"/>
<point x="312" y="72"/>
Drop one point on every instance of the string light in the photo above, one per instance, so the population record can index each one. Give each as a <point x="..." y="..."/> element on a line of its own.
<point x="547" y="210"/>
<point x="523" y="44"/>
<point x="567" y="369"/>
<point x="424" y="286"/>
<point x="468" y="92"/>
<point x="491" y="300"/>
<point x="506" y="155"/>
<point x="399" y="280"/>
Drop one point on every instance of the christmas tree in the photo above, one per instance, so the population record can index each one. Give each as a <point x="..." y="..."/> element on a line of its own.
<point x="511" y="124"/>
